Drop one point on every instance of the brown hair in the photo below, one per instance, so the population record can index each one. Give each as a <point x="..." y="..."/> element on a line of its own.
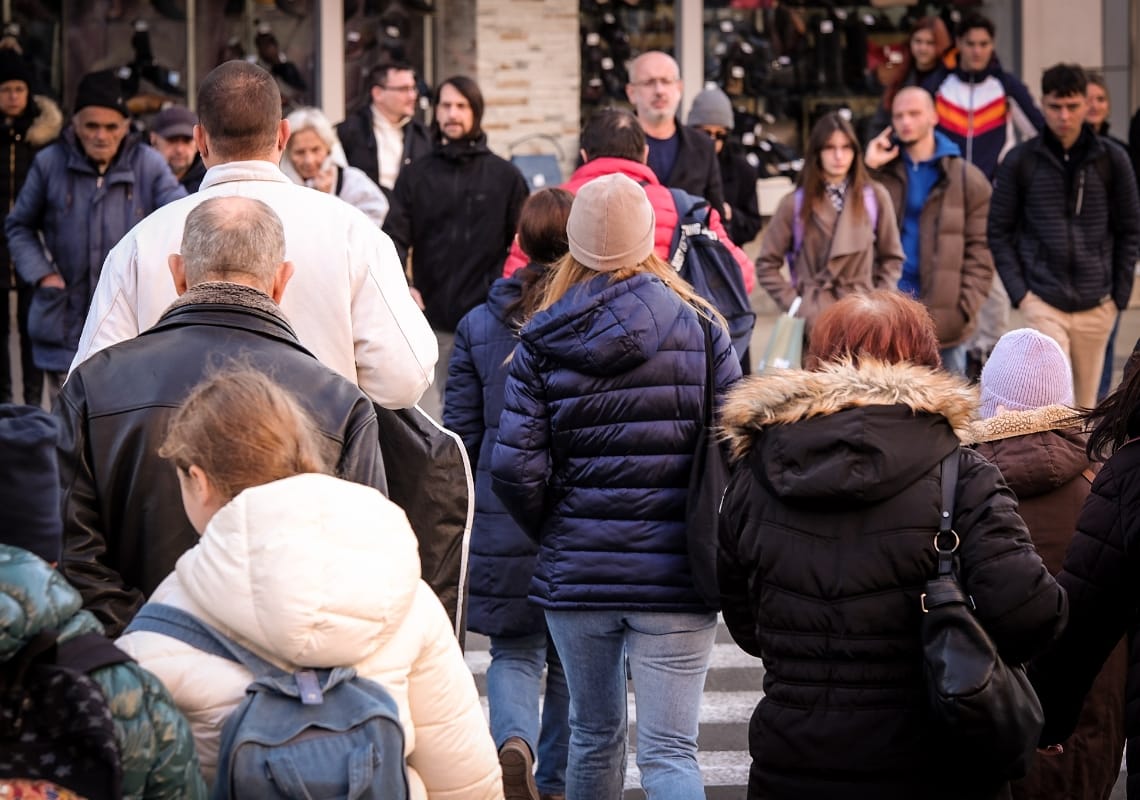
<point x="542" y="237"/>
<point x="613" y="133"/>
<point x="812" y="179"/>
<point x="239" y="107"/>
<point x="942" y="44"/>
<point x="884" y="325"/>
<point x="569" y="272"/>
<point x="242" y="429"/>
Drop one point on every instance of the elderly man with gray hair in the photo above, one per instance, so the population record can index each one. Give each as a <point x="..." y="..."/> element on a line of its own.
<point x="124" y="527"/>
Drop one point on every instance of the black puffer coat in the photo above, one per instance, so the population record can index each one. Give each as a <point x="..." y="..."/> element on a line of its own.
<point x="826" y="543"/>
<point x="1101" y="574"/>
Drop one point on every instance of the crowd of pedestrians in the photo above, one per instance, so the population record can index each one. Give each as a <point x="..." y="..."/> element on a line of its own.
<point x="229" y="321"/>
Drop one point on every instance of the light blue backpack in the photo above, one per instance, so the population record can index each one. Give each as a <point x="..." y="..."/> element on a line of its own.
<point x="297" y="736"/>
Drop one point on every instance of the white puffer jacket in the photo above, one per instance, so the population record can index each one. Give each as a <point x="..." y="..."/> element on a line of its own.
<point x="312" y="571"/>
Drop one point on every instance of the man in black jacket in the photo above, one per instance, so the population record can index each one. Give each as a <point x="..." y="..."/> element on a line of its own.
<point x="680" y="157"/>
<point x="124" y="527"/>
<point x="456" y="212"/>
<point x="384" y="136"/>
<point x="1064" y="229"/>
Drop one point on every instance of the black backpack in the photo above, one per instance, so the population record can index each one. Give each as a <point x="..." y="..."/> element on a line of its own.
<point x="708" y="266"/>
<point x="55" y="724"/>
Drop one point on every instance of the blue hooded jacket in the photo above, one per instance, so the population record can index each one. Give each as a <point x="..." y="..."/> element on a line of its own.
<point x="501" y="557"/>
<point x="921" y="178"/>
<point x="601" y="412"/>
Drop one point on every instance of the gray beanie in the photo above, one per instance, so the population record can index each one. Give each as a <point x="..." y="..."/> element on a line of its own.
<point x="1026" y="370"/>
<point x="711" y="107"/>
<point x="611" y="224"/>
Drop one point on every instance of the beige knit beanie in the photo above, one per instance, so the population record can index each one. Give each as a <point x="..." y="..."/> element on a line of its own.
<point x="611" y="224"/>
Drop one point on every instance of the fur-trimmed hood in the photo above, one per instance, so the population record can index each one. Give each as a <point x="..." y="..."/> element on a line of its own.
<point x="1008" y="424"/>
<point x="48" y="123"/>
<point x="847" y="434"/>
<point x="1038" y="451"/>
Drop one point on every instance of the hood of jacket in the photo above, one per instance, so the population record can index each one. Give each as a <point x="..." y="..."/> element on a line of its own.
<point x="34" y="597"/>
<point x="847" y="435"/>
<point x="460" y="149"/>
<point x="44" y="121"/>
<point x="1037" y="451"/>
<point x="310" y="570"/>
<point x="502" y="293"/>
<point x="605" y="328"/>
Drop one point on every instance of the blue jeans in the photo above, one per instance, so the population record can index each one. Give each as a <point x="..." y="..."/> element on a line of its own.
<point x="513" y="689"/>
<point x="954" y="359"/>
<point x="668" y="657"/>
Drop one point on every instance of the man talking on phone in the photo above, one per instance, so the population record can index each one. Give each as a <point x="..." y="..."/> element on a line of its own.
<point x="941" y="202"/>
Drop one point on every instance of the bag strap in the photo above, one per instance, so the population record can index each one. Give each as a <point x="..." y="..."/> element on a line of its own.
<point x="946" y="541"/>
<point x="178" y="624"/>
<point x="89" y="652"/>
<point x="686" y="206"/>
<point x="710" y="369"/>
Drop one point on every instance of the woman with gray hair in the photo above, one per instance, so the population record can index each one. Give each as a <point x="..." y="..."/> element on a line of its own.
<point x="315" y="158"/>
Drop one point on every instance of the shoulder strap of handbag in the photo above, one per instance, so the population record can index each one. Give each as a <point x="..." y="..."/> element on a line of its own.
<point x="710" y="370"/>
<point x="944" y="547"/>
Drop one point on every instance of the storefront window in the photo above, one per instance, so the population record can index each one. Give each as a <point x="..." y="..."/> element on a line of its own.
<point x="611" y="34"/>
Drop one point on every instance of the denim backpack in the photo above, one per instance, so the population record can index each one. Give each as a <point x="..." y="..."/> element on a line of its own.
<point x="311" y="733"/>
<point x="709" y="267"/>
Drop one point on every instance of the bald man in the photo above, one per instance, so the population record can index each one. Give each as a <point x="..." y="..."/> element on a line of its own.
<point x="124" y="527"/>
<point x="680" y="157"/>
<point x="941" y="201"/>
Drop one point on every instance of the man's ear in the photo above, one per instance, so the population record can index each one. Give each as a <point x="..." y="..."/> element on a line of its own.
<point x="282" y="136"/>
<point x="178" y="272"/>
<point x="200" y="141"/>
<point x="280" y="280"/>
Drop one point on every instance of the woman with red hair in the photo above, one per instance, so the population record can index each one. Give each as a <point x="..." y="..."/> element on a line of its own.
<point x="826" y="542"/>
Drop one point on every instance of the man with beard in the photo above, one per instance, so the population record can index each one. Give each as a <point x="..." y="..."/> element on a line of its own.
<point x="941" y="202"/>
<point x="453" y="217"/>
<point x="680" y="157"/>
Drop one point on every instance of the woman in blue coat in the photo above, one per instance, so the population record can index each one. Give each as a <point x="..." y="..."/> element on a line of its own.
<point x="601" y="413"/>
<point x="502" y="556"/>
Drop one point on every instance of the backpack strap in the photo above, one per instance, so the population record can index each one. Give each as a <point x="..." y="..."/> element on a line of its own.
<point x="178" y="624"/>
<point x="89" y="652"/>
<point x="692" y="217"/>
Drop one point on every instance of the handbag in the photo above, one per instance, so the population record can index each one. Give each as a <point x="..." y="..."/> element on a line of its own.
<point x="984" y="711"/>
<point x="707" y="482"/>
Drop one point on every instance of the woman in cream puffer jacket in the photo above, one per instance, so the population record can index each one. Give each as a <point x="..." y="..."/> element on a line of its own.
<point x="312" y="571"/>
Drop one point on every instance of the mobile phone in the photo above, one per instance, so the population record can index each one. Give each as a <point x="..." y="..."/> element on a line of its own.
<point x="894" y="139"/>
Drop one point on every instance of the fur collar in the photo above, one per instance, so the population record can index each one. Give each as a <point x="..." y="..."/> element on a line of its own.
<point x="784" y="397"/>
<point x="48" y="123"/>
<point x="1008" y="424"/>
<point x="226" y="293"/>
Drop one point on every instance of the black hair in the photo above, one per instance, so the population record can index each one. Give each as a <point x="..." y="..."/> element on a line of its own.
<point x="1064" y="80"/>
<point x="613" y="133"/>
<point x="974" y="21"/>
<point x="1117" y="418"/>
<point x="378" y="75"/>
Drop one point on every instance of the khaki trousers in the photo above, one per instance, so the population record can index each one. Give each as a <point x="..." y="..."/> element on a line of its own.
<point x="1083" y="335"/>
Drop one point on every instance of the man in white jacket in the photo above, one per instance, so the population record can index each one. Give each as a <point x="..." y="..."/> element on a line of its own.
<point x="348" y="301"/>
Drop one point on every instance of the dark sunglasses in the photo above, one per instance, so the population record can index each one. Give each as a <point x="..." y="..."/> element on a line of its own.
<point x="718" y="136"/>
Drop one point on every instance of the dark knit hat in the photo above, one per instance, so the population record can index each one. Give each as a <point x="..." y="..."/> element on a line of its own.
<point x="103" y="89"/>
<point x="30" y="516"/>
<point x="711" y="107"/>
<point x="174" y="121"/>
<point x="13" y="67"/>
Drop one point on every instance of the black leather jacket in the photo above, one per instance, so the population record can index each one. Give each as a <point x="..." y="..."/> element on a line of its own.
<point x="124" y="526"/>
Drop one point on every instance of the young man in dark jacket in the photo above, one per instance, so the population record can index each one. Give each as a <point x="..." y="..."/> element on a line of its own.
<point x="124" y="527"/>
<point x="941" y="202"/>
<point x="1064" y="229"/>
<point x="383" y="137"/>
<point x="28" y="125"/>
<point x="455" y="212"/>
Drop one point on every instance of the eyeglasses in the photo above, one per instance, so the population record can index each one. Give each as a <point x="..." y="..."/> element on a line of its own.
<point x="410" y="88"/>
<point x="653" y="83"/>
<point x="718" y="136"/>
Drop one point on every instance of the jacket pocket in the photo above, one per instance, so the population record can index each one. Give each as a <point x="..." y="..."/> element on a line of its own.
<point x="47" y="316"/>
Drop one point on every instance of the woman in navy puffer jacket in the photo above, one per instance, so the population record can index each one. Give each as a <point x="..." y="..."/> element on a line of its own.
<point x="602" y="409"/>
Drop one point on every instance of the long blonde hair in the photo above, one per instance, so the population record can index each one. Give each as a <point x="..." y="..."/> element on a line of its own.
<point x="568" y="272"/>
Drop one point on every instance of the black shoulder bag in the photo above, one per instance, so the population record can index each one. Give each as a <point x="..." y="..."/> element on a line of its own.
<point x="985" y="711"/>
<point x="707" y="482"/>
